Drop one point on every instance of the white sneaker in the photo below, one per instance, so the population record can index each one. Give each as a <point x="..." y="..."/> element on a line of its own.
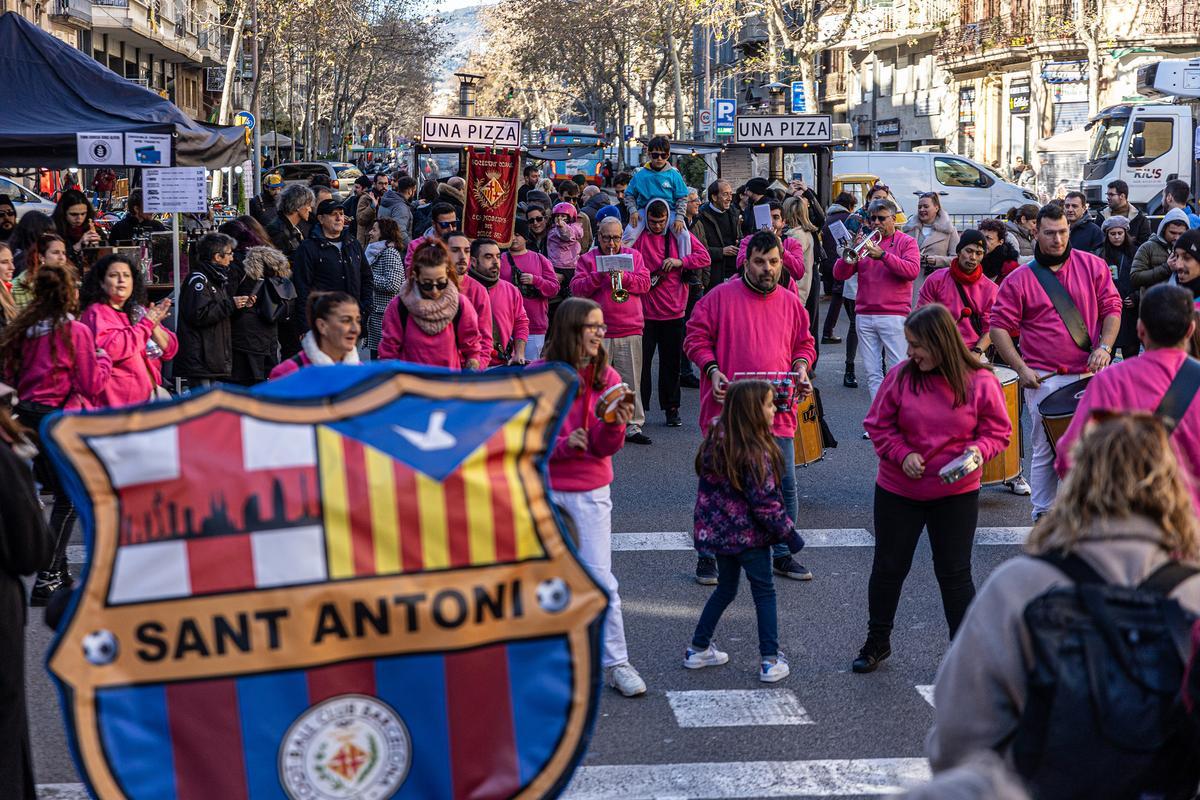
<point x="625" y="679"/>
<point x="1020" y="486"/>
<point x="708" y="657"/>
<point x="774" y="669"/>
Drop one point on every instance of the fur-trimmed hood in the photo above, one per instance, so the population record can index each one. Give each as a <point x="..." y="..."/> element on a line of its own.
<point x="265" y="262"/>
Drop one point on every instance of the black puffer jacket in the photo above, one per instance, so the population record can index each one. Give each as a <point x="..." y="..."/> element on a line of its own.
<point x="322" y="266"/>
<point x="205" y="338"/>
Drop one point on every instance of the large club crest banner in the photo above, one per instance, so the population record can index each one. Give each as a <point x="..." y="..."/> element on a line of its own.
<point x="347" y="584"/>
<point x="491" y="207"/>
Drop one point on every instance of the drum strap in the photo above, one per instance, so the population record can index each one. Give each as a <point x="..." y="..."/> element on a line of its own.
<point x="1180" y="393"/>
<point x="1068" y="312"/>
<point x="975" y="320"/>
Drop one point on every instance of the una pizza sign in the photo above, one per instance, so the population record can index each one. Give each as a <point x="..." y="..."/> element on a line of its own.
<point x="349" y="584"/>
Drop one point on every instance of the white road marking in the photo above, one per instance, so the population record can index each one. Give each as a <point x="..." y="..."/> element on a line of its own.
<point x="61" y="791"/>
<point x="820" y="537"/>
<point x="76" y="553"/>
<point x="926" y="692"/>
<point x="718" y="781"/>
<point x="727" y="708"/>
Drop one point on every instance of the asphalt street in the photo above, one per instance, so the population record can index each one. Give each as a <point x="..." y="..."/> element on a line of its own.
<point x="719" y="732"/>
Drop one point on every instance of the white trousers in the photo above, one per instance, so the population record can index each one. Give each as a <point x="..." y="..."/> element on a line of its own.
<point x="592" y="513"/>
<point x="880" y="336"/>
<point x="1043" y="480"/>
<point x="625" y="356"/>
<point x="534" y="345"/>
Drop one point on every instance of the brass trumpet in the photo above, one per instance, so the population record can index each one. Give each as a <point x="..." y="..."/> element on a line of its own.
<point x="854" y="252"/>
<point x="619" y="293"/>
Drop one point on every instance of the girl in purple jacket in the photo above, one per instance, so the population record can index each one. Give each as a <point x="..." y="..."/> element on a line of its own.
<point x="739" y="514"/>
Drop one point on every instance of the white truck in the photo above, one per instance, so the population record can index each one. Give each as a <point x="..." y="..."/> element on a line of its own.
<point x="1147" y="144"/>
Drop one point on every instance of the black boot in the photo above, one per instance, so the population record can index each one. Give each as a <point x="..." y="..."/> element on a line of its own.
<point x="872" y="653"/>
<point x="47" y="584"/>
<point x="849" y="381"/>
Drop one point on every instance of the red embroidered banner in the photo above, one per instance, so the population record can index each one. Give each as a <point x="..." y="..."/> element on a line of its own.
<point x="491" y="207"/>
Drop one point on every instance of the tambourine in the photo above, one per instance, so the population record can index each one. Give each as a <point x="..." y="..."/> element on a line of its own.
<point x="606" y="407"/>
<point x="960" y="467"/>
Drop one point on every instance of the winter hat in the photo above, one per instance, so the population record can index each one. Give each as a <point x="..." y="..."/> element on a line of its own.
<point x="606" y="212"/>
<point x="566" y="209"/>
<point x="1174" y="215"/>
<point x="757" y="185"/>
<point x="273" y="181"/>
<point x="521" y="229"/>
<point x="538" y="198"/>
<point x="1189" y="243"/>
<point x="1115" y="221"/>
<point x="971" y="236"/>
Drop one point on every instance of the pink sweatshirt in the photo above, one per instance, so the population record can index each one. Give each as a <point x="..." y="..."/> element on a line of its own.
<point x="288" y="366"/>
<point x="903" y="420"/>
<point x="667" y="299"/>
<point x="563" y="248"/>
<point x="940" y="288"/>
<point x="1138" y="384"/>
<point x="477" y="294"/>
<point x="623" y="319"/>
<point x="412" y="248"/>
<point x="52" y="375"/>
<point x="451" y="347"/>
<point x="741" y="330"/>
<point x="545" y="281"/>
<point x="508" y="313"/>
<point x="1024" y="309"/>
<point x="574" y="470"/>
<point x="885" y="284"/>
<point x="792" y="257"/>
<point x="134" y="374"/>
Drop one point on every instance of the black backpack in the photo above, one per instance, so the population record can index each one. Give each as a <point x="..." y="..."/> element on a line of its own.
<point x="1104" y="716"/>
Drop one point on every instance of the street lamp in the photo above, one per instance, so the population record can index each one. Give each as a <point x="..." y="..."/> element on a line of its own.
<point x="777" y="91"/>
<point x="467" y="82"/>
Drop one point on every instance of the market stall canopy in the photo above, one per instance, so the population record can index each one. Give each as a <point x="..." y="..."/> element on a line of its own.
<point x="1072" y="141"/>
<point x="274" y="138"/>
<point x="54" y="95"/>
<point x="560" y="153"/>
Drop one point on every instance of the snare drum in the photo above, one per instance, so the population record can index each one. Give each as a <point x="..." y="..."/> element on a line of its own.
<point x="808" y="443"/>
<point x="1006" y="465"/>
<point x="1058" y="409"/>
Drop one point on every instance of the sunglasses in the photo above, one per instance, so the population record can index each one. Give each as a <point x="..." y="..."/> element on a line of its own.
<point x="429" y="286"/>
<point x="449" y="224"/>
<point x="535" y="219"/>
<point x="880" y="217"/>
<point x="8" y="213"/>
<point x="657" y="154"/>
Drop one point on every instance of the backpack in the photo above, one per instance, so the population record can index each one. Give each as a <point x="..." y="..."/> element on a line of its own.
<point x="1104" y="717"/>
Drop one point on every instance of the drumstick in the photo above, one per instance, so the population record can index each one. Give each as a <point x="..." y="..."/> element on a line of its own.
<point x="1062" y="371"/>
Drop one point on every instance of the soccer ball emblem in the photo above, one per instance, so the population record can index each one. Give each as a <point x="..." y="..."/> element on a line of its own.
<point x="553" y="595"/>
<point x="100" y="647"/>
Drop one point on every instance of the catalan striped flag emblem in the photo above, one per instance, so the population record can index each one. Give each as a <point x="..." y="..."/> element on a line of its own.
<point x="351" y="584"/>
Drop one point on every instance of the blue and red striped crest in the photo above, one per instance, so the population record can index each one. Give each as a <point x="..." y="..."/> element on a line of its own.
<point x="349" y="584"/>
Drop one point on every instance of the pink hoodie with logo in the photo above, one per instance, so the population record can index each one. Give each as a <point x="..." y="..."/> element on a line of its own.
<point x="574" y="470"/>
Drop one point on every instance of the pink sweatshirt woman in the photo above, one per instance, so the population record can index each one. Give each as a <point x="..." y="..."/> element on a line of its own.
<point x="453" y="346"/>
<point x="134" y="373"/>
<point x="54" y="373"/>
<point x="903" y="420"/>
<point x="545" y="284"/>
<point x="574" y="470"/>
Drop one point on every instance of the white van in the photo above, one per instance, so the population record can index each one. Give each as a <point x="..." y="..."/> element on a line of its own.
<point x="969" y="190"/>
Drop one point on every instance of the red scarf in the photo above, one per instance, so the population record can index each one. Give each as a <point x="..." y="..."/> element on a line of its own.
<point x="964" y="278"/>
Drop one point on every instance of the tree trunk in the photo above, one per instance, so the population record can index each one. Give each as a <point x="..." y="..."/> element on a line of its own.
<point x="227" y="90"/>
<point x="676" y="72"/>
<point x="1091" y="40"/>
<point x="808" y="78"/>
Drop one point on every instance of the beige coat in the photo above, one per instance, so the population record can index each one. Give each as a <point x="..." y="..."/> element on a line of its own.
<point x="808" y="243"/>
<point x="981" y="685"/>
<point x="939" y="245"/>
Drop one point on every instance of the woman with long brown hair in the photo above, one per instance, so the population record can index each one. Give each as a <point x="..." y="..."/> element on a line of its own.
<point x="75" y="221"/>
<point x="54" y="363"/>
<point x="25" y="547"/>
<point x="1124" y="510"/>
<point x="581" y="470"/>
<point x="939" y="406"/>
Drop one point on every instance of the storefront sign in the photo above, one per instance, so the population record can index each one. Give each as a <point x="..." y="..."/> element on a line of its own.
<point x="470" y="131"/>
<point x="887" y="127"/>
<point x="491" y="207"/>
<point x="783" y="129"/>
<point x="1018" y="98"/>
<point x="1065" y="72"/>
<point x="100" y="149"/>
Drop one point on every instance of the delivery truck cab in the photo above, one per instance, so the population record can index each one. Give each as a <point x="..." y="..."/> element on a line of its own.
<point x="1147" y="144"/>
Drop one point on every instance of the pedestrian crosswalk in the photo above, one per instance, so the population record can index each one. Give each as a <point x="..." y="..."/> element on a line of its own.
<point x="823" y="537"/>
<point x="727" y="708"/>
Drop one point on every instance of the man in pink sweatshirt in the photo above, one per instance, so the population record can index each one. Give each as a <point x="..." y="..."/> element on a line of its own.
<point x="625" y="320"/>
<point x="886" y="273"/>
<point x="510" y="325"/>
<point x="535" y="278"/>
<point x="752" y="325"/>
<point x="472" y="290"/>
<point x="664" y="306"/>
<point x="1050" y="358"/>
<point x="1164" y="326"/>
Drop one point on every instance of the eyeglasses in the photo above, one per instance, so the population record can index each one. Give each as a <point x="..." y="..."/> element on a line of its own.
<point x="610" y="237"/>
<point x="226" y="253"/>
<point x="429" y="286"/>
<point x="657" y="154"/>
<point x="535" y="219"/>
<point x="880" y="217"/>
<point x="598" y="327"/>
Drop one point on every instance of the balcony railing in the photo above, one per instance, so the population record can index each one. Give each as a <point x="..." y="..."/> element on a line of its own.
<point x="1167" y="17"/>
<point x="78" y="12"/>
<point x="1056" y="19"/>
<point x="833" y="86"/>
<point x="997" y="37"/>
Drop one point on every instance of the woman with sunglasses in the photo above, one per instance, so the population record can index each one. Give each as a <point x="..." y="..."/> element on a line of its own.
<point x="941" y="404"/>
<point x="429" y="322"/>
<point x="581" y="470"/>
<point x="335" y="323"/>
